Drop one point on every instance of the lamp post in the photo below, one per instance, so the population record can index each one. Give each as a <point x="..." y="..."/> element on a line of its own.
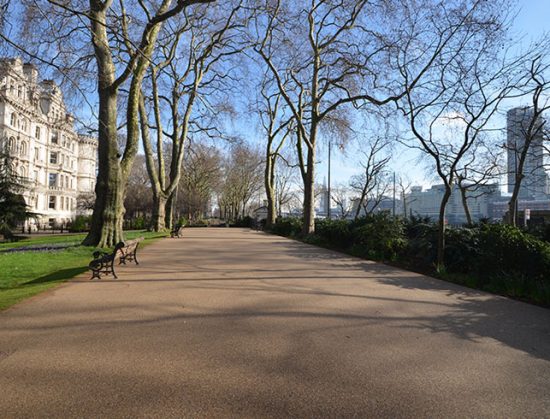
<point x="394" y="194"/>
<point x="328" y="188"/>
<point x="516" y="206"/>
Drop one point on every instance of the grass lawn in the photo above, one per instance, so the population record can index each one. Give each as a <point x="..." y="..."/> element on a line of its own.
<point x="24" y="274"/>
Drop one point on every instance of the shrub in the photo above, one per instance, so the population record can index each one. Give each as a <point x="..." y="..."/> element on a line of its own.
<point x="504" y="249"/>
<point x="383" y="236"/>
<point x="244" y="222"/>
<point x="80" y="223"/>
<point x="336" y="233"/>
<point x="461" y="249"/>
<point x="139" y="223"/>
<point x="316" y="240"/>
<point x="288" y="227"/>
<point x="421" y="250"/>
<point x="541" y="232"/>
<point x="5" y="232"/>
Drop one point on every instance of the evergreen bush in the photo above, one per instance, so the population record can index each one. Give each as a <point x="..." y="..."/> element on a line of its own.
<point x="288" y="227"/>
<point x="336" y="233"/>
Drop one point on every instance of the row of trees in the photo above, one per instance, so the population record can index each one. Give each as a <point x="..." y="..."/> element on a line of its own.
<point x="229" y="180"/>
<point x="167" y="72"/>
<point x="446" y="70"/>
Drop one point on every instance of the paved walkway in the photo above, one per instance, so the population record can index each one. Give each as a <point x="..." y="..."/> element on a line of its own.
<point x="236" y="323"/>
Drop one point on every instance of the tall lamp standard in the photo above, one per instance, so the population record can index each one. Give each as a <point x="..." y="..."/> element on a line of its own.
<point x="328" y="188"/>
<point x="516" y="206"/>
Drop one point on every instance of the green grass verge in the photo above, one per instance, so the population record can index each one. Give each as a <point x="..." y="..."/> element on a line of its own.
<point x="24" y="274"/>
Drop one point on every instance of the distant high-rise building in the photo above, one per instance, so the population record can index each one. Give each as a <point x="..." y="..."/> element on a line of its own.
<point x="426" y="203"/>
<point x="536" y="182"/>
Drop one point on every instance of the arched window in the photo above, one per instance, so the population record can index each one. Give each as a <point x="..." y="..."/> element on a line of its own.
<point x="23" y="172"/>
<point x="24" y="148"/>
<point x="12" y="144"/>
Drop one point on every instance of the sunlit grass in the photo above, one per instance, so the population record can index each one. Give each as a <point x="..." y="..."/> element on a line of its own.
<point x="27" y="273"/>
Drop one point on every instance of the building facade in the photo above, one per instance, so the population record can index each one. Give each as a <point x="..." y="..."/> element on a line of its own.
<point x="38" y="132"/>
<point x="536" y="182"/>
<point x="426" y="203"/>
<point x="499" y="209"/>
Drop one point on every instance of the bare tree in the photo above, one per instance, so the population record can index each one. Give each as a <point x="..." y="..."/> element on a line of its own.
<point x="404" y="186"/>
<point x="301" y="74"/>
<point x="139" y="198"/>
<point x="340" y="196"/>
<point x="478" y="173"/>
<point x="449" y="111"/>
<point x="243" y="178"/>
<point x="277" y="127"/>
<point x="328" y="56"/>
<point x="285" y="185"/>
<point x="100" y="32"/>
<point x="85" y="201"/>
<point x="201" y="178"/>
<point x="106" y="228"/>
<point x="187" y="74"/>
<point x="371" y="184"/>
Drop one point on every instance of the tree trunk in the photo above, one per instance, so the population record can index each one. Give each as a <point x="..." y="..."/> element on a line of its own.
<point x="440" y="265"/>
<point x="309" y="195"/>
<point x="171" y="217"/>
<point x="159" y="213"/>
<point x="361" y="202"/>
<point x="106" y="225"/>
<point x="465" y="204"/>
<point x="513" y="204"/>
<point x="269" y="178"/>
<point x="107" y="218"/>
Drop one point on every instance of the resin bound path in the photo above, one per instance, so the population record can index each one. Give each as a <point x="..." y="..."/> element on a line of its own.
<point x="237" y="323"/>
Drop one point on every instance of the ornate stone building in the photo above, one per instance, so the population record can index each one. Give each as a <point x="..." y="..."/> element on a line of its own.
<point x="39" y="134"/>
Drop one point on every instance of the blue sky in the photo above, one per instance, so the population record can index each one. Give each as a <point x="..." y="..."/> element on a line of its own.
<point x="532" y="20"/>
